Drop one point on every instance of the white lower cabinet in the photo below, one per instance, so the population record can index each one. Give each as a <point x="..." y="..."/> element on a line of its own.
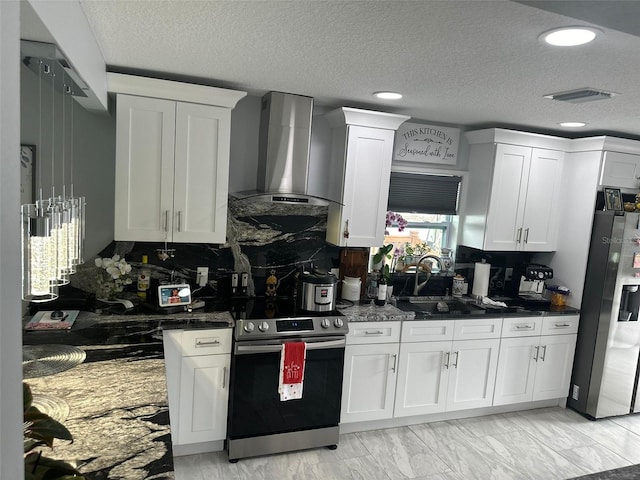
<point x="446" y="375"/>
<point x="370" y="366"/>
<point x="369" y="382"/>
<point x="204" y="394"/>
<point x="532" y="366"/>
<point x="197" y="367"/>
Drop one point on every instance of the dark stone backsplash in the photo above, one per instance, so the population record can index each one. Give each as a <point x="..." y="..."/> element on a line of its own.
<point x="261" y="237"/>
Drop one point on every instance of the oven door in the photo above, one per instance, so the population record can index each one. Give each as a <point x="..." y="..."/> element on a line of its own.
<point x="254" y="404"/>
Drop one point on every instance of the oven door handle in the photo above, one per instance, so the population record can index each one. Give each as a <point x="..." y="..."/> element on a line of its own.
<point x="277" y="347"/>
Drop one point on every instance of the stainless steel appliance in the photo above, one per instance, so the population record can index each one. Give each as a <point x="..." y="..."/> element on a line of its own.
<point x="259" y="423"/>
<point x="605" y="370"/>
<point x="531" y="278"/>
<point x="317" y="291"/>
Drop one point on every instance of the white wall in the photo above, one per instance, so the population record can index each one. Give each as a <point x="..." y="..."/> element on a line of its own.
<point x="93" y="139"/>
<point x="11" y="465"/>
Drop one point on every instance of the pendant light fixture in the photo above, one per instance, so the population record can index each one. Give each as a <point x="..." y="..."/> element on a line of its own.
<point x="38" y="248"/>
<point x="53" y="230"/>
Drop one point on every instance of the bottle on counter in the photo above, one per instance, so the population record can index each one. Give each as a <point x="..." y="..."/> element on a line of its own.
<point x="144" y="278"/>
<point x="382" y="292"/>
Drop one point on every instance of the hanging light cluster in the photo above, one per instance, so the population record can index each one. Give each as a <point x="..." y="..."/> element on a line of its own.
<point x="53" y="229"/>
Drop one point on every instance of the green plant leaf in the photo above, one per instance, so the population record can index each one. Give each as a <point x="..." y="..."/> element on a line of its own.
<point x="41" y="427"/>
<point x="37" y="467"/>
<point x="27" y="397"/>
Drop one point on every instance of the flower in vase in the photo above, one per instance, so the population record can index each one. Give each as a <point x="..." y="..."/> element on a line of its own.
<point x="112" y="276"/>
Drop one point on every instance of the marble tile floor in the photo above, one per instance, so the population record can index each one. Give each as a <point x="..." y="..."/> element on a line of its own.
<point x="545" y="444"/>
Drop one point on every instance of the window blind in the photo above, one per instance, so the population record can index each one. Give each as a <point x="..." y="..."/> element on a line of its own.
<point x="411" y="192"/>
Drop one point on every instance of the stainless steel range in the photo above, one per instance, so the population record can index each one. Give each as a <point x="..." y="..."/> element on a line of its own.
<point x="259" y="421"/>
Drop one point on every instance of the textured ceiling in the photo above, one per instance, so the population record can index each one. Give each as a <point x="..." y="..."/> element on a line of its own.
<point x="469" y="63"/>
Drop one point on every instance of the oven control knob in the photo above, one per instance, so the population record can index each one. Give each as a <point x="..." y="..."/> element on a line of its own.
<point x="326" y="323"/>
<point x="338" y="323"/>
<point x="249" y="327"/>
<point x="263" y="327"/>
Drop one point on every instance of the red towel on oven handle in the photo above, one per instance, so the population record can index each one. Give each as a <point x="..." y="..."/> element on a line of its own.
<point x="292" y="363"/>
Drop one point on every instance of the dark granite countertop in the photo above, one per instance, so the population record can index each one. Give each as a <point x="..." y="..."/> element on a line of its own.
<point x="465" y="307"/>
<point x="114" y="400"/>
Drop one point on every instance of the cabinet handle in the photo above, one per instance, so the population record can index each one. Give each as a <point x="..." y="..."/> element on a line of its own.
<point x="537" y="349"/>
<point x="166" y="220"/>
<point x="526" y="235"/>
<point x="456" y="364"/>
<point x="200" y="343"/>
<point x="519" y="235"/>
<point x="447" y="356"/>
<point x="224" y="377"/>
<point x="524" y="327"/>
<point x="345" y="234"/>
<point x="544" y="352"/>
<point x="562" y="325"/>
<point x="179" y="219"/>
<point x="395" y="359"/>
<point x="377" y="332"/>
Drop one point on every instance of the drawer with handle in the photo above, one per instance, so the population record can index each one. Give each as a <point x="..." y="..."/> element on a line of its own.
<point x="560" y="325"/>
<point x="521" y="327"/>
<point x="205" y="342"/>
<point x="373" y="332"/>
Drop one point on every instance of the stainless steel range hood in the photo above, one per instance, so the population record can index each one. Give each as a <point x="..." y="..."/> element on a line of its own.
<point x="284" y="146"/>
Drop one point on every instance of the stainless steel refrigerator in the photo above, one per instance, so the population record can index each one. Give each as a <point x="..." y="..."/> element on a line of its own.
<point x="604" y="381"/>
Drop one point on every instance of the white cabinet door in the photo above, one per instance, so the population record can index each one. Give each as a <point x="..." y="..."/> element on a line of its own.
<point x="472" y="373"/>
<point x="423" y="373"/>
<point x="516" y="370"/>
<point x="145" y="135"/>
<point x="555" y="362"/>
<point x="366" y="188"/>
<point x="540" y="222"/>
<point x="369" y="382"/>
<point x="508" y="190"/>
<point x="201" y="173"/>
<point x="204" y="393"/>
<point x="621" y="170"/>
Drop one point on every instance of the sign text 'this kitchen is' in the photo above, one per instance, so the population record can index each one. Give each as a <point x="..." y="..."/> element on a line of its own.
<point x="420" y="143"/>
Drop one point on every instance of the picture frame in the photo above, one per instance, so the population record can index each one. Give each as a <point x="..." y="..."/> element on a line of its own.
<point x="612" y="199"/>
<point x="27" y="169"/>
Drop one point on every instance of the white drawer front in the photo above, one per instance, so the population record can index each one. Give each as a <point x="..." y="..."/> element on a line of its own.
<point x="560" y="325"/>
<point x="477" y="328"/>
<point x="521" y="327"/>
<point x="373" y="332"/>
<point x="427" y="330"/>
<point x="206" y="342"/>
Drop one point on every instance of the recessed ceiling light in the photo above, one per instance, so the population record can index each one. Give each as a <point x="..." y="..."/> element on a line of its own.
<point x="569" y="36"/>
<point x="572" y="124"/>
<point x="388" y="95"/>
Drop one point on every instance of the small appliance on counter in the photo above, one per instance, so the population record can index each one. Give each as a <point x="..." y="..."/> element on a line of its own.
<point x="530" y="280"/>
<point x="317" y="290"/>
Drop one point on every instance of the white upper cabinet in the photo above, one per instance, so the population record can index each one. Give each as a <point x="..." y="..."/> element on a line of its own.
<point x="621" y="170"/>
<point x="172" y="161"/>
<point x="362" y="149"/>
<point x="512" y="198"/>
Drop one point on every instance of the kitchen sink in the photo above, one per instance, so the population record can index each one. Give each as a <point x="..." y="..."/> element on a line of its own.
<point x="437" y="306"/>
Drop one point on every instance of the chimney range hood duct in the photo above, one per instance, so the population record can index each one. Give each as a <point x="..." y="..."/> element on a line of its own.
<point x="283" y="155"/>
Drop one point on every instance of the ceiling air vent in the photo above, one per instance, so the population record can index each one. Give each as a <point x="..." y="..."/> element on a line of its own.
<point x="581" y="95"/>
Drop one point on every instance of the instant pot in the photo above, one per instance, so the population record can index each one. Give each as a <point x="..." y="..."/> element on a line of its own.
<point x="317" y="291"/>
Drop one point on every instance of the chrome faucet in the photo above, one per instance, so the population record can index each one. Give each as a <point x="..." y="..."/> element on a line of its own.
<point x="418" y="286"/>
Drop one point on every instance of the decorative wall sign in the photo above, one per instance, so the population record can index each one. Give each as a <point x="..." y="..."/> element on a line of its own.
<point x="417" y="142"/>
